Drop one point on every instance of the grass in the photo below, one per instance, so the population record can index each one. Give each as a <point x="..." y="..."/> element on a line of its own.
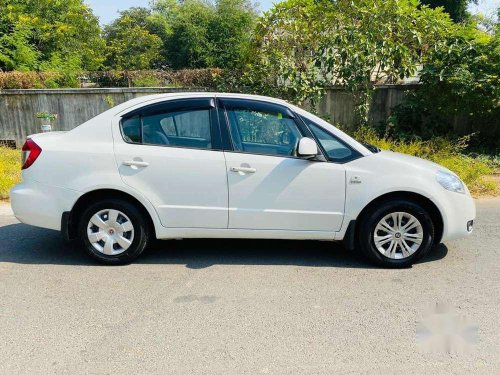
<point x="476" y="171"/>
<point x="10" y="170"/>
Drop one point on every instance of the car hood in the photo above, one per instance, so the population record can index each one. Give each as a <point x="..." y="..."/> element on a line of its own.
<point x="409" y="161"/>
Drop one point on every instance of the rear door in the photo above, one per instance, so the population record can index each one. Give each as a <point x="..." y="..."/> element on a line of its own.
<point x="270" y="187"/>
<point x="171" y="153"/>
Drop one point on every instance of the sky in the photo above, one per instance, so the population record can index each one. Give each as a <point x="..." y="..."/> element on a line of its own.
<point x="107" y="10"/>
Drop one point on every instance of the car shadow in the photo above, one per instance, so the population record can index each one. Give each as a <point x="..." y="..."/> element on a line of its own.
<point x="24" y="244"/>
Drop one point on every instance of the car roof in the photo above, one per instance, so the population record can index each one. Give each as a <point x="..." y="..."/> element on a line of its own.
<point x="185" y="95"/>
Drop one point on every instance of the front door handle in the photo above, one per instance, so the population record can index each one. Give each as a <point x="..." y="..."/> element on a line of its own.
<point x="135" y="163"/>
<point x="243" y="169"/>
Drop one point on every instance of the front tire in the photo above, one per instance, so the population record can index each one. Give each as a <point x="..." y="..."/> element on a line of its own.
<point x="395" y="234"/>
<point x="113" y="231"/>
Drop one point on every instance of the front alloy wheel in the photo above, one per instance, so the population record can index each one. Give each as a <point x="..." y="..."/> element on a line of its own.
<point x="395" y="233"/>
<point x="398" y="235"/>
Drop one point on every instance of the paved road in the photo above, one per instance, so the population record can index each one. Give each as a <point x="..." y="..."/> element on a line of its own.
<point x="241" y="307"/>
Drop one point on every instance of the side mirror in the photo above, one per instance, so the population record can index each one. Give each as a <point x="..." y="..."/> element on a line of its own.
<point x="307" y="148"/>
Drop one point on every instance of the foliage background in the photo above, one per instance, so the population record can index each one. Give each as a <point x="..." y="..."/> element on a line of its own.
<point x="294" y="51"/>
<point x="10" y="170"/>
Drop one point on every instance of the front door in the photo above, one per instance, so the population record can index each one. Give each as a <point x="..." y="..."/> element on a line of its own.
<point x="170" y="153"/>
<point x="270" y="187"/>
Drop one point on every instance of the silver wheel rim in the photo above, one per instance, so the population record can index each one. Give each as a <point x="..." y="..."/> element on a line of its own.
<point x="110" y="232"/>
<point x="398" y="235"/>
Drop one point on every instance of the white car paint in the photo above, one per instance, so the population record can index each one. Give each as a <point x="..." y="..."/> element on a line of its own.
<point x="285" y="194"/>
<point x="195" y="193"/>
<point x="185" y="191"/>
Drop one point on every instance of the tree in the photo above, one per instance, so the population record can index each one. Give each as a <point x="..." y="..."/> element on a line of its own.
<point x="130" y="43"/>
<point x="460" y="85"/>
<point x="16" y="52"/>
<point x="188" y="45"/>
<point x="231" y="31"/>
<point x="36" y="34"/>
<point x="457" y="9"/>
<point x="201" y="34"/>
<point x="487" y="23"/>
<point x="303" y="46"/>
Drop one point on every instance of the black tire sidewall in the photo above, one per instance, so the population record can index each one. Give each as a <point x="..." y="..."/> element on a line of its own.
<point x="369" y="222"/>
<point x="141" y="235"/>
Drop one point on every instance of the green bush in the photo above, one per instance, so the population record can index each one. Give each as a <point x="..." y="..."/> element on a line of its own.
<point x="10" y="170"/>
<point x="66" y="77"/>
<point x="27" y="80"/>
<point x="460" y="85"/>
<point x="147" y="82"/>
<point x="206" y="78"/>
<point x="473" y="170"/>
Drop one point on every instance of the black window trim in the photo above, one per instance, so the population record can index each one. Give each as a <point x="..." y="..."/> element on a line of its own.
<point x="228" y="140"/>
<point x="215" y="132"/>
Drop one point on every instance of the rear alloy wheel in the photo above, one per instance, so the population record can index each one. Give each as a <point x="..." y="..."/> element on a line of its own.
<point x="113" y="231"/>
<point x="110" y="232"/>
<point x="396" y="234"/>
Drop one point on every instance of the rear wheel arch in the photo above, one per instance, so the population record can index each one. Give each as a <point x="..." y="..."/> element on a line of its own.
<point x="98" y="195"/>
<point x="419" y="199"/>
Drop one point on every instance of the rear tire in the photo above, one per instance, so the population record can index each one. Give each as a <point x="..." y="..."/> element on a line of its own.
<point x="113" y="231"/>
<point x="395" y="234"/>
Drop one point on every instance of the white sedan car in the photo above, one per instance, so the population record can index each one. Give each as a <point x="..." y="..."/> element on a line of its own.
<point x="210" y="165"/>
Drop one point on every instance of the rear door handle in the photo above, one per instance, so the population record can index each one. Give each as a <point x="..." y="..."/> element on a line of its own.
<point x="134" y="163"/>
<point x="243" y="169"/>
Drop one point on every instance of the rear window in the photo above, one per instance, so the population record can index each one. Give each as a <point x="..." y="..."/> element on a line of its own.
<point x="184" y="123"/>
<point x="178" y="128"/>
<point x="131" y="129"/>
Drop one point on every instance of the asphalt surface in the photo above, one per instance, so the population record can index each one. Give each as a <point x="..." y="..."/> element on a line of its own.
<point x="244" y="307"/>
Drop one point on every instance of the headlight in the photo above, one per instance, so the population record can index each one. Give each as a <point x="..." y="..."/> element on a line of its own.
<point x="450" y="182"/>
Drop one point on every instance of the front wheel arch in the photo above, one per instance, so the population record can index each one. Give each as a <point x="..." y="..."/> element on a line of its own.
<point x="426" y="203"/>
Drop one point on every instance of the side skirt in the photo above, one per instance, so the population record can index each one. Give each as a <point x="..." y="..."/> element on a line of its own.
<point x="173" y="233"/>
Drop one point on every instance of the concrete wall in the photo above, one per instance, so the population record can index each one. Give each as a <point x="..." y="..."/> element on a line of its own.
<point x="338" y="104"/>
<point x="75" y="106"/>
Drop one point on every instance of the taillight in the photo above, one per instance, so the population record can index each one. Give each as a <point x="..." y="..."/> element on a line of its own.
<point x="31" y="151"/>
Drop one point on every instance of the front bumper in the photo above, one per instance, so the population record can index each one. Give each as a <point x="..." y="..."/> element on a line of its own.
<point x="458" y="211"/>
<point x="41" y="205"/>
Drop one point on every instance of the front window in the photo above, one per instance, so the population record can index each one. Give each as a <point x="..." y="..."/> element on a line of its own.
<point x="261" y="132"/>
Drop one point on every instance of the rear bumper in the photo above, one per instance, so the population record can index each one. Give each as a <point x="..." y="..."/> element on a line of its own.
<point x="41" y="205"/>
